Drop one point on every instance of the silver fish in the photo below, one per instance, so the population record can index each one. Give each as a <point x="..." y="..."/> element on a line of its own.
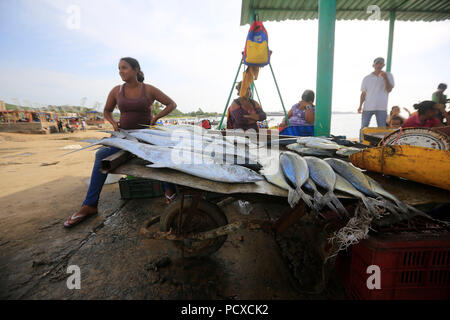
<point x="370" y="203"/>
<point x="377" y="188"/>
<point x="352" y="175"/>
<point x="304" y="151"/>
<point x="305" y="140"/>
<point x="324" y="176"/>
<point x="347" y="151"/>
<point x="322" y="145"/>
<point x="318" y="197"/>
<point x="296" y="172"/>
<point x="188" y="162"/>
<point x="273" y="173"/>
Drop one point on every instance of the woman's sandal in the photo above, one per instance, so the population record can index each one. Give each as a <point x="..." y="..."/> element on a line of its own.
<point x="75" y="219"/>
<point x="170" y="199"/>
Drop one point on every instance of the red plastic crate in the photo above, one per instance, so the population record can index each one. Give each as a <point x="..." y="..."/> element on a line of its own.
<point x="413" y="266"/>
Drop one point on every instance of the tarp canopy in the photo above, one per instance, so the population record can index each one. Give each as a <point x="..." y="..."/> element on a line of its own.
<point x="406" y="10"/>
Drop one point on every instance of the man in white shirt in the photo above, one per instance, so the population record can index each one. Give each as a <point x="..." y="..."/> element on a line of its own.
<point x="375" y="90"/>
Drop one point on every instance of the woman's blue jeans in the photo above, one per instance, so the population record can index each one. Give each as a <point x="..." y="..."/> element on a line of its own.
<point x="98" y="178"/>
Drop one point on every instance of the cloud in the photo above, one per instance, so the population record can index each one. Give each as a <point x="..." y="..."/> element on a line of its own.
<point x="191" y="50"/>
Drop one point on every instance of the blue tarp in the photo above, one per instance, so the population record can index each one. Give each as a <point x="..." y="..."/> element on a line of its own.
<point x="302" y="131"/>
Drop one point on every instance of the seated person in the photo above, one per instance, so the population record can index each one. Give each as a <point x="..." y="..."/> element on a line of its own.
<point x="395" y="112"/>
<point x="244" y="112"/>
<point x="426" y="115"/>
<point x="302" y="113"/>
<point x="396" y="122"/>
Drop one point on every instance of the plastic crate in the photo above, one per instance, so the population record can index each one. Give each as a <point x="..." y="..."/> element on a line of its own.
<point x="413" y="266"/>
<point x="138" y="188"/>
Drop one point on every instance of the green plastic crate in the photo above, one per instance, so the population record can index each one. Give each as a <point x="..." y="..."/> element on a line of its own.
<point x="138" y="188"/>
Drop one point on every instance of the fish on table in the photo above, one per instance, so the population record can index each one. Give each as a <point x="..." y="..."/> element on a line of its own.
<point x="305" y="151"/>
<point x="181" y="160"/>
<point x="295" y="170"/>
<point x="323" y="175"/>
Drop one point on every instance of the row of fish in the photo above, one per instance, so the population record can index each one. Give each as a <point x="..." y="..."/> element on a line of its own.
<point x="321" y="147"/>
<point x="300" y="176"/>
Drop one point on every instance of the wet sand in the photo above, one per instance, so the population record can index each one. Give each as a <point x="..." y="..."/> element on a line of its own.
<point x="40" y="189"/>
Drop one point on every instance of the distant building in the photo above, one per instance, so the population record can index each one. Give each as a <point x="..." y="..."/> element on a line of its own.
<point x="2" y="105"/>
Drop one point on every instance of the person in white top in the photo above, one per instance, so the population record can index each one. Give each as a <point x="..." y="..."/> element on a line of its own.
<point x="375" y="89"/>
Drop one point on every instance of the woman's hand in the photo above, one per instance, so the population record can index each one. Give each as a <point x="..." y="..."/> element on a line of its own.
<point x="153" y="121"/>
<point x="115" y="125"/>
<point x="252" y="117"/>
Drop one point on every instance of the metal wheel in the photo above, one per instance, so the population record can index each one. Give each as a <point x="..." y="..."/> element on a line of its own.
<point x="206" y="216"/>
<point x="420" y="137"/>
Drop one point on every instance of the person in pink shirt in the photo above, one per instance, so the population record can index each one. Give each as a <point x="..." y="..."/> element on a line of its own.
<point x="426" y="116"/>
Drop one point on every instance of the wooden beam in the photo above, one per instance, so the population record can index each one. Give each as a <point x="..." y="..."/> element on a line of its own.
<point x="115" y="160"/>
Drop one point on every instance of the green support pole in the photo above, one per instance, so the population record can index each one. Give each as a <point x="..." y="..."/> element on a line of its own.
<point x="279" y="94"/>
<point x="257" y="95"/>
<point x="229" y="96"/>
<point x="325" y="57"/>
<point x="391" y="40"/>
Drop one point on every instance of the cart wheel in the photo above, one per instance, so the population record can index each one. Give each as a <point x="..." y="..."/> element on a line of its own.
<point x="206" y="217"/>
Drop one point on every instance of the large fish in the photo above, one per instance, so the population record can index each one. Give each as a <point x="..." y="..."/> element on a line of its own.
<point x="370" y="203"/>
<point x="280" y="142"/>
<point x="305" y="140"/>
<point x="318" y="197"/>
<point x="347" y="151"/>
<point x="321" y="145"/>
<point x="273" y="173"/>
<point x="377" y="188"/>
<point x="352" y="175"/>
<point x="296" y="172"/>
<point x="304" y="151"/>
<point x="184" y="161"/>
<point x="324" y="176"/>
<point x="221" y="151"/>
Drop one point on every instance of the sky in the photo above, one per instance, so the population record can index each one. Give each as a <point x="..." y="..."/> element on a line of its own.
<point x="191" y="51"/>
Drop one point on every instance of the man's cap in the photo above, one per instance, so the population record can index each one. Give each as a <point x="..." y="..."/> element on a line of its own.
<point x="378" y="60"/>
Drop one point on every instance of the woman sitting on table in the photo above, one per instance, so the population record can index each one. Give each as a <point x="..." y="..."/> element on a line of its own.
<point x="134" y="99"/>
<point x="302" y="113"/>
<point x="244" y="112"/>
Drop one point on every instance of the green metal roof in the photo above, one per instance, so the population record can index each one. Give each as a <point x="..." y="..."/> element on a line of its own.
<point x="406" y="10"/>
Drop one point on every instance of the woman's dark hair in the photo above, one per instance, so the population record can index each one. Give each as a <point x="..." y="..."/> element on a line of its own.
<point x="442" y="86"/>
<point x="308" y="95"/>
<point x="424" y="106"/>
<point x="135" y="66"/>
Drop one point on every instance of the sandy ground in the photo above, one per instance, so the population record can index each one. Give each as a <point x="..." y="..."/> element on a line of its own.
<point x="40" y="189"/>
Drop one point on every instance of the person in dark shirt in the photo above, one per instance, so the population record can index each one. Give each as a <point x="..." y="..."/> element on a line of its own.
<point x="426" y="116"/>
<point x="134" y="99"/>
<point x="244" y="112"/>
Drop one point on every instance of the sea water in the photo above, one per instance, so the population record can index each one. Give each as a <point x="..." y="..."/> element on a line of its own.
<point x="347" y="124"/>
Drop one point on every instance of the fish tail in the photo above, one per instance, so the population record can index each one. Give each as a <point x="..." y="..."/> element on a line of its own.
<point x="381" y="202"/>
<point x="324" y="201"/>
<point x="306" y="198"/>
<point x="293" y="197"/>
<point x="337" y="203"/>
<point x="401" y="205"/>
<point x="369" y="205"/>
<point x="89" y="146"/>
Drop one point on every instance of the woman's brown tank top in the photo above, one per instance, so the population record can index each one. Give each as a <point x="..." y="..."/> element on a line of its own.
<point x="133" y="112"/>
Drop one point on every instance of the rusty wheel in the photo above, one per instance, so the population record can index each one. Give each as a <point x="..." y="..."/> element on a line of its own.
<point x="205" y="217"/>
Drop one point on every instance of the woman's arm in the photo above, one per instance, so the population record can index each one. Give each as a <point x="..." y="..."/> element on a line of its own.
<point x="289" y="114"/>
<point x="161" y="97"/>
<point x="111" y="103"/>
<point x="310" y="115"/>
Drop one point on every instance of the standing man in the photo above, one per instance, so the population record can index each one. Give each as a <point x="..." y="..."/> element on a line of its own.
<point x="375" y="89"/>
